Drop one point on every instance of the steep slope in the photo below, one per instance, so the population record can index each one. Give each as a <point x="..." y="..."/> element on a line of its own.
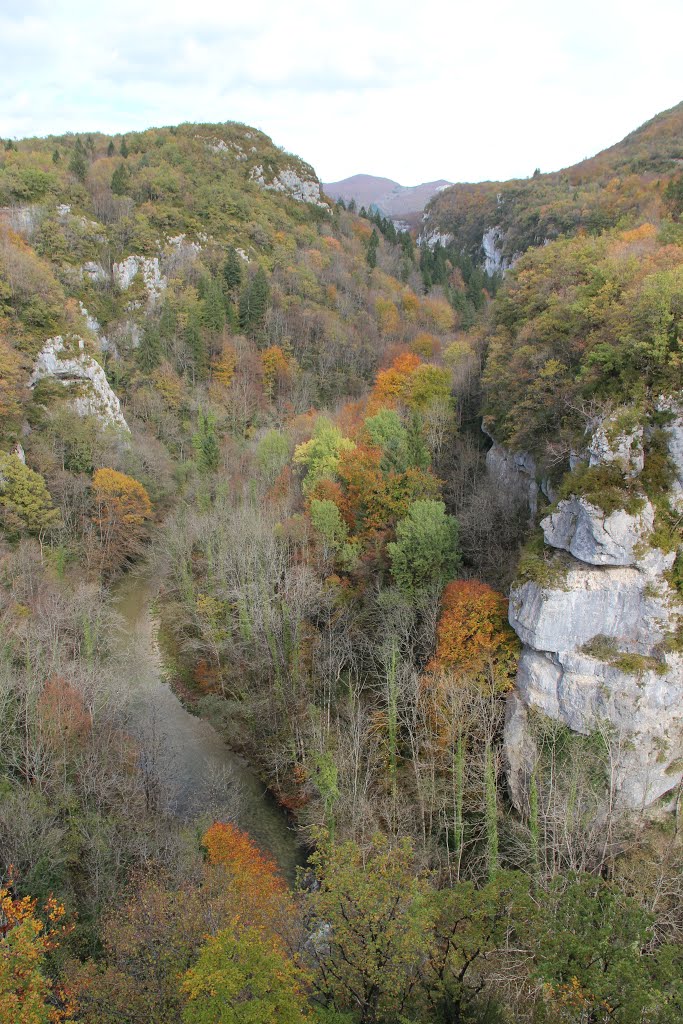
<point x="583" y="397"/>
<point x="494" y="222"/>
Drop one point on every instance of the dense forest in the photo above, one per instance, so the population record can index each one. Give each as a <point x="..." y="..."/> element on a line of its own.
<point x="274" y="413"/>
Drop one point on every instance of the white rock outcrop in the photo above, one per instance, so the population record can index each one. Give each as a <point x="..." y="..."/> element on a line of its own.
<point x="126" y="271"/>
<point x="289" y="181"/>
<point x="596" y="631"/>
<point x="89" y="392"/>
<point x="593" y="537"/>
<point x="609" y="446"/>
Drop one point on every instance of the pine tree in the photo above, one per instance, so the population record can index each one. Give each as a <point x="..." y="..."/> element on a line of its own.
<point x="149" y="351"/>
<point x="123" y="148"/>
<point x="254" y="303"/>
<point x="110" y="148"/>
<point x="205" y="443"/>
<point x="56" y="157"/>
<point x="213" y="311"/>
<point x="232" y="270"/>
<point x="372" y="249"/>
<point x="119" y="180"/>
<point x="78" y="165"/>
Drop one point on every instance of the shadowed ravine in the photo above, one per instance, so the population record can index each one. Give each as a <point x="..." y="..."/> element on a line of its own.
<point x="201" y="776"/>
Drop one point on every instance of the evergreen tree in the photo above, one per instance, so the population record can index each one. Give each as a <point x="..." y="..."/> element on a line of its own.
<point x="149" y="351"/>
<point x="254" y="303"/>
<point x="213" y="306"/>
<point x="205" y="443"/>
<point x="123" y="148"/>
<point x="372" y="249"/>
<point x="78" y="165"/>
<point x="110" y="148"/>
<point x="56" y="157"/>
<point x="232" y="270"/>
<point x="119" y="180"/>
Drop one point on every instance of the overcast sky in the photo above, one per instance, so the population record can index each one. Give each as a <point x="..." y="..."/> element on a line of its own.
<point x="414" y="91"/>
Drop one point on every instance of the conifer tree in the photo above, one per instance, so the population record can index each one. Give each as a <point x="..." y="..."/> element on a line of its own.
<point x="254" y="303"/>
<point x="232" y="270"/>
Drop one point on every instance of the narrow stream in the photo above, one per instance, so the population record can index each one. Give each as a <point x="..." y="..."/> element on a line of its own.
<point x="202" y="776"/>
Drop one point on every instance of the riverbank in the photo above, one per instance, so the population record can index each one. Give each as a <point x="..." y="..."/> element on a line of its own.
<point x="200" y="776"/>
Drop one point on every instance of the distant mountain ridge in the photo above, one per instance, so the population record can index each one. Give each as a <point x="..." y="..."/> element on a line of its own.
<point x="404" y="202"/>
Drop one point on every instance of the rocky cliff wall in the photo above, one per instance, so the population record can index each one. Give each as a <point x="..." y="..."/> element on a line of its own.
<point x="600" y="625"/>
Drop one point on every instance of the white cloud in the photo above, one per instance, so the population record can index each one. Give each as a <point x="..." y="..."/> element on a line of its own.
<point x="443" y="90"/>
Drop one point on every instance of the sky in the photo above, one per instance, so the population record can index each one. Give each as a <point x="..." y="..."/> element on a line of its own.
<point x="413" y="91"/>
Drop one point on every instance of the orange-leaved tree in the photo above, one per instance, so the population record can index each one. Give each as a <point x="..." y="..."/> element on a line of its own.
<point x="27" y="995"/>
<point x="121" y="511"/>
<point x="257" y="890"/>
<point x="473" y="635"/>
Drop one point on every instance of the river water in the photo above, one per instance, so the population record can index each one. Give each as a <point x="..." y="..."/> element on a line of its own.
<point x="202" y="777"/>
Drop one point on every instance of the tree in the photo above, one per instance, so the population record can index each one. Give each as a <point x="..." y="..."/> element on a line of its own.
<point x="254" y="303"/>
<point x="242" y="976"/>
<point x="400" y="447"/>
<point x="372" y="918"/>
<point x="593" y="954"/>
<point x="252" y="881"/>
<point x="25" y="502"/>
<point x="232" y="270"/>
<point x="55" y="156"/>
<point x="27" y="996"/>
<point x="320" y="455"/>
<point x="10" y="386"/>
<point x="123" y="148"/>
<point x="477" y="931"/>
<point x="205" y="442"/>
<point x="119" y="180"/>
<point x="425" y="553"/>
<point x="473" y="633"/>
<point x="213" y="311"/>
<point x="272" y="454"/>
<point x="328" y="523"/>
<point x="78" y="165"/>
<point x="110" y="148"/>
<point x="148" y="354"/>
<point x="373" y="243"/>
<point x="121" y="510"/>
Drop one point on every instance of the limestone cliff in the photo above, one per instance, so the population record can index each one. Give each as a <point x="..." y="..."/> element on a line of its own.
<point x="600" y="622"/>
<point x="87" y="388"/>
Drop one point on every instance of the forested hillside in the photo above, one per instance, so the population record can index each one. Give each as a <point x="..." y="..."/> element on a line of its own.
<point x="494" y="222"/>
<point x="269" y="410"/>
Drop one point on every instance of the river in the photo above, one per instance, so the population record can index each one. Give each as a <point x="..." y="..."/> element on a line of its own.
<point x="203" y="778"/>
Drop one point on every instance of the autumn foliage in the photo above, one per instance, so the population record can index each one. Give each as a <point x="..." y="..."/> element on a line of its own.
<point x="258" y="892"/>
<point x="27" y="996"/>
<point x="473" y="633"/>
<point x="121" y="511"/>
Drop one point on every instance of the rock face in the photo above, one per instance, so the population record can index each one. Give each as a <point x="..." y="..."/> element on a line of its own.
<point x="127" y="270"/>
<point x="587" y="533"/>
<point x="304" y="190"/>
<point x="515" y="474"/>
<point x="83" y="377"/>
<point x="597" y="651"/>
